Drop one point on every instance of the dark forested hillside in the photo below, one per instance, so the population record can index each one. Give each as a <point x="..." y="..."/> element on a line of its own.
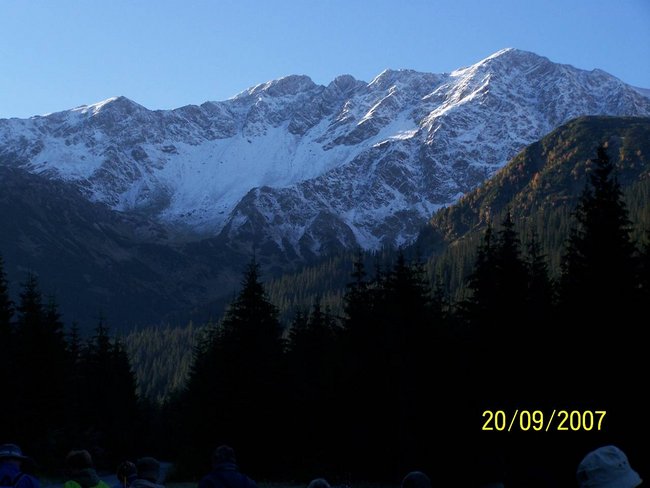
<point x="540" y="187"/>
<point x="400" y="364"/>
<point x="523" y="297"/>
<point x="403" y="364"/>
<point x="97" y="261"/>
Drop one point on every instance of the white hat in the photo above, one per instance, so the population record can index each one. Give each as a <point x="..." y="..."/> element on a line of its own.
<point x="607" y="467"/>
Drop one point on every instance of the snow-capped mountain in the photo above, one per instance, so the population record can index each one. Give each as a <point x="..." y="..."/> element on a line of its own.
<point x="297" y="168"/>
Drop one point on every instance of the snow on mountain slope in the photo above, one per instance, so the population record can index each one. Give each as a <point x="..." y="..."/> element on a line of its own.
<point x="292" y="167"/>
<point x="643" y="91"/>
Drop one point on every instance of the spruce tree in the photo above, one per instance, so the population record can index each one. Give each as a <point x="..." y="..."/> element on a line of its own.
<point x="357" y="303"/>
<point x="238" y="375"/>
<point x="598" y="285"/>
<point x="7" y="364"/>
<point x="361" y="345"/>
<point x="540" y="287"/>
<point x="30" y="309"/>
<point x="644" y="272"/>
<point x="75" y="384"/>
<point x="479" y="308"/>
<point x="540" y="333"/>
<point x="41" y="361"/>
<point x="125" y="405"/>
<point x="6" y="306"/>
<point x="512" y="272"/>
<point x="313" y="367"/>
<point x="497" y="311"/>
<point x="108" y="403"/>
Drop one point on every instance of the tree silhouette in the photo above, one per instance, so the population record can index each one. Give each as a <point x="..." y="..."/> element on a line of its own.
<point x="6" y="306"/>
<point x="237" y="373"/>
<point x="109" y="408"/>
<point x="314" y="373"/>
<point x="41" y="368"/>
<point x="598" y="285"/>
<point x="7" y="361"/>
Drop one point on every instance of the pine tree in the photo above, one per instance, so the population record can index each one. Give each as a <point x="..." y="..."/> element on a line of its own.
<point x="360" y="344"/>
<point x="479" y="308"/>
<point x="30" y="308"/>
<point x="251" y="319"/>
<point x="125" y="407"/>
<point x="7" y="361"/>
<point x="238" y="373"/>
<point x="644" y="271"/>
<point x="598" y="285"/>
<point x="412" y="357"/>
<point x="74" y="343"/>
<point x="598" y="282"/>
<point x="389" y="350"/>
<point x="6" y="306"/>
<point x="108" y="403"/>
<point x="498" y="311"/>
<point x="540" y="286"/>
<point x="75" y="384"/>
<point x="314" y="380"/>
<point x="358" y="301"/>
<point x="540" y="332"/>
<point x="42" y="362"/>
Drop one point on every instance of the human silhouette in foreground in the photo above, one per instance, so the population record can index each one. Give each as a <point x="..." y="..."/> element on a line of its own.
<point x="81" y="472"/>
<point x="416" y="479"/>
<point x="126" y="474"/>
<point x="148" y="473"/>
<point x="11" y="463"/>
<point x="607" y="467"/>
<point x="225" y="472"/>
<point x="318" y="483"/>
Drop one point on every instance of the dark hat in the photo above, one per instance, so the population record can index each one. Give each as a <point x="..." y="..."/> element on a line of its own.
<point x="223" y="454"/>
<point x="318" y="483"/>
<point x="148" y="468"/>
<point x="416" y="479"/>
<point x="78" y="459"/>
<point x="126" y="469"/>
<point x="607" y="467"/>
<point x="11" y="451"/>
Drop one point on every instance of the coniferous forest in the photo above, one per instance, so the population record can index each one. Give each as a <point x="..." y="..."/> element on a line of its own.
<point x="397" y="374"/>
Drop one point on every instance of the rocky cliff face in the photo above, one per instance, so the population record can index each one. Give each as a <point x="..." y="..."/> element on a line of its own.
<point x="293" y="168"/>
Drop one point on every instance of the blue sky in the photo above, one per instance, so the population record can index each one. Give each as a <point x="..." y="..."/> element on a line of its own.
<point x="163" y="54"/>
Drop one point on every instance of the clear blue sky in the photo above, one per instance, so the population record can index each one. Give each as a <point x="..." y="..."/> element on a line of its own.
<point x="56" y="55"/>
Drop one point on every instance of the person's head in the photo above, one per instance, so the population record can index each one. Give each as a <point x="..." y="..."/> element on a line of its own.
<point x="416" y="479"/>
<point x="78" y="460"/>
<point x="126" y="472"/>
<point x="12" y="454"/>
<point x="148" y="469"/>
<point x="606" y="467"/>
<point x="223" y="454"/>
<point x="318" y="483"/>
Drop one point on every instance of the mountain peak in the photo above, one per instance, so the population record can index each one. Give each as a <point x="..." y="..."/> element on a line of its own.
<point x="390" y="76"/>
<point x="505" y="62"/>
<point x="344" y="85"/>
<point x="120" y="104"/>
<point x="512" y="57"/>
<point x="285" y="86"/>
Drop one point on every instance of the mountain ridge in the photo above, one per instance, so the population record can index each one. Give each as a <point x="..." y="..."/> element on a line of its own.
<point x="299" y="169"/>
<point x="131" y="269"/>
